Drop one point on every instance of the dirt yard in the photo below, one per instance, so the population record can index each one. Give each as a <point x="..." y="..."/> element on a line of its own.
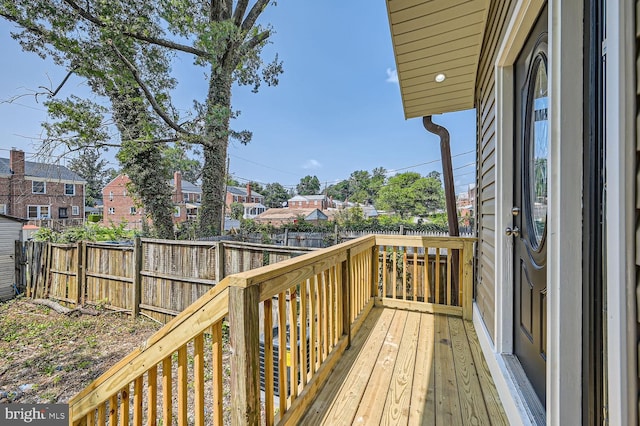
<point x="47" y="357"/>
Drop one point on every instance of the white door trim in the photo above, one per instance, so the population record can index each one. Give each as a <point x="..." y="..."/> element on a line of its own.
<point x="619" y="201"/>
<point x="564" y="233"/>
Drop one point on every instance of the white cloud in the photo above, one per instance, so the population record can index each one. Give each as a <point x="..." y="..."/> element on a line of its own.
<point x="312" y="165"/>
<point x="392" y="75"/>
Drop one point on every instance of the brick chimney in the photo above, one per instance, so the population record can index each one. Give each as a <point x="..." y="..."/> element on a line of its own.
<point x="177" y="187"/>
<point x="16" y="162"/>
<point x="248" y="193"/>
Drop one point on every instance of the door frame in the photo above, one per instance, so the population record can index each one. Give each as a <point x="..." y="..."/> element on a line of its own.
<point x="564" y="232"/>
<point x="620" y="244"/>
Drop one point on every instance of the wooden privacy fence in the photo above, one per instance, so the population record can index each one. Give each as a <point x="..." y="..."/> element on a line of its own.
<point x="157" y="278"/>
<point x="289" y="324"/>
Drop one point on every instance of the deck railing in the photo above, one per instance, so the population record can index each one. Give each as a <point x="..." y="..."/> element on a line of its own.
<point x="288" y="325"/>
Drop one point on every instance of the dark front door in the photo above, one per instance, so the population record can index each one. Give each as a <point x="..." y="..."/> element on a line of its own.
<point x="529" y="232"/>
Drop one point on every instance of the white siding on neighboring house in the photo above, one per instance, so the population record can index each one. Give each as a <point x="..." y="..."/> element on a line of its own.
<point x="9" y="233"/>
<point x="497" y="20"/>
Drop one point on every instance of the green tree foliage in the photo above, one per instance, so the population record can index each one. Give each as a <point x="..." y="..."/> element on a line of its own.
<point x="93" y="169"/>
<point x="309" y="185"/>
<point x="361" y="187"/>
<point x="223" y="36"/>
<point x="178" y="160"/>
<point x="274" y="195"/>
<point x="237" y="210"/>
<point x="409" y="194"/>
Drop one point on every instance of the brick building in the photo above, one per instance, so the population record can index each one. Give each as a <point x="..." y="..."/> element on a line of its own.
<point x="32" y="190"/>
<point x="122" y="206"/>
<point x="320" y="201"/>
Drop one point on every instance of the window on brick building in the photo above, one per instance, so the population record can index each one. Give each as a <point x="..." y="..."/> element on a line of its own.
<point x="112" y="210"/>
<point x="132" y="210"/>
<point x="38" y="187"/>
<point x="110" y="195"/>
<point x="38" y="212"/>
<point x="176" y="211"/>
<point x="75" y="210"/>
<point x="63" y="212"/>
<point x="69" y="189"/>
<point x="3" y="209"/>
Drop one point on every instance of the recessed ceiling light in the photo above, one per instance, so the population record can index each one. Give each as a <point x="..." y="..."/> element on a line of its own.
<point x="440" y="78"/>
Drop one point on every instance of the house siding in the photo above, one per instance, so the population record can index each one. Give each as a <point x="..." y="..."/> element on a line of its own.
<point x="497" y="20"/>
<point x="9" y="233"/>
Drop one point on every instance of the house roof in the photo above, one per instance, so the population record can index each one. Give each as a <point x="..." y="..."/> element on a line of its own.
<point x="188" y="186"/>
<point x="437" y="37"/>
<point x="43" y="170"/>
<point x="237" y="190"/>
<point x="13" y="218"/>
<point x="308" y="197"/>
<point x="289" y="213"/>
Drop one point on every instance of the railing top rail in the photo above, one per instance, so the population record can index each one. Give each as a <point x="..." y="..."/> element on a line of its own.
<point x="304" y="262"/>
<point x="63" y="245"/>
<point x="269" y="247"/>
<point x="206" y="311"/>
<point x="423" y="241"/>
<point x="179" y="242"/>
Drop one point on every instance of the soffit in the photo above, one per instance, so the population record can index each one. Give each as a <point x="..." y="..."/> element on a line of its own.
<point x="432" y="37"/>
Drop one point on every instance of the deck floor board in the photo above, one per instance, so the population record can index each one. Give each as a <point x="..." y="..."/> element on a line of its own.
<point x="410" y="368"/>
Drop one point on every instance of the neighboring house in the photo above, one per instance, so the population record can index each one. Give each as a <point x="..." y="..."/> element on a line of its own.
<point x="321" y="202"/>
<point x="237" y="194"/>
<point x="277" y="217"/>
<point x="33" y="190"/>
<point x="10" y="232"/>
<point x="120" y="206"/>
<point x="557" y="265"/>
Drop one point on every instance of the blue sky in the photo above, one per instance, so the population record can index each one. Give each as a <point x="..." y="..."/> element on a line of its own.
<point x="337" y="108"/>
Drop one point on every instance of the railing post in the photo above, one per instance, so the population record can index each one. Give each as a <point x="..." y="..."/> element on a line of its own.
<point x="244" y="339"/>
<point x="137" y="277"/>
<point x="346" y="300"/>
<point x="467" y="280"/>
<point x="375" y="254"/>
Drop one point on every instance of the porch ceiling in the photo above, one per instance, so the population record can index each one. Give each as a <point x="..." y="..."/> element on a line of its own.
<point x="432" y="37"/>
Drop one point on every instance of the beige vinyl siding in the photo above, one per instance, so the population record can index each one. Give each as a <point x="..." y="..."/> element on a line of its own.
<point x="497" y="20"/>
<point x="9" y="233"/>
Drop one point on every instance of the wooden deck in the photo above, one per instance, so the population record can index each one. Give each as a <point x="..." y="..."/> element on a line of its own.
<point x="410" y="368"/>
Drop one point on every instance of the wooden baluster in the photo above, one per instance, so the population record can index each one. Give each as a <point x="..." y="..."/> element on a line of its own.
<point x="182" y="386"/>
<point x="293" y="343"/>
<point x="330" y="316"/>
<point x="167" y="400"/>
<point x="437" y="300"/>
<point x="152" y="395"/>
<point x="405" y="283"/>
<point x="449" y="276"/>
<point x="282" y="352"/>
<point x="304" y="336"/>
<point x="467" y="281"/>
<point x="325" y="315"/>
<point x="414" y="281"/>
<point x="101" y="414"/>
<point x="395" y="270"/>
<point x="113" y="410"/>
<point x="216" y="349"/>
<point x="427" y="286"/>
<point x="313" y="326"/>
<point x="385" y="292"/>
<point x="198" y="378"/>
<point x="137" y="401"/>
<point x="91" y="418"/>
<point x="268" y="362"/>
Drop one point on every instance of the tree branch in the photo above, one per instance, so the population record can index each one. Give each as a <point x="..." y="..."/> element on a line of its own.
<point x="153" y="40"/>
<point x="254" y="13"/>
<point x="152" y="100"/>
<point x="255" y="41"/>
<point x="241" y="8"/>
<point x="52" y="94"/>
